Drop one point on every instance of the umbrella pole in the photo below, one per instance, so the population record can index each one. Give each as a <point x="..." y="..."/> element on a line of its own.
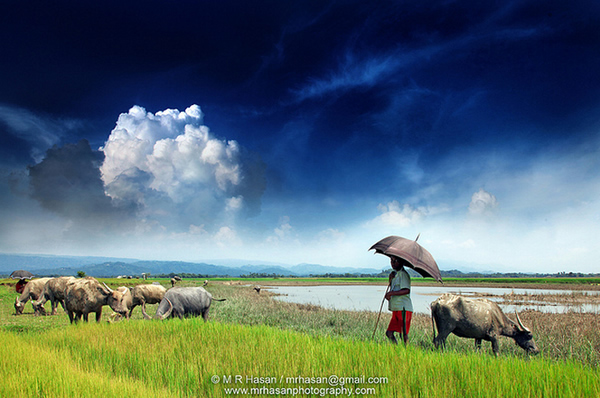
<point x="380" y="308"/>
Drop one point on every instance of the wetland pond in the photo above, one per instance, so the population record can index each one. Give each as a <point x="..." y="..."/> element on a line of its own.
<point x="369" y="297"/>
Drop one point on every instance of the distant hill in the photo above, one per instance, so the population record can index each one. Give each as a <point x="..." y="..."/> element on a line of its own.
<point x="41" y="265"/>
<point x="12" y="262"/>
<point x="108" y="269"/>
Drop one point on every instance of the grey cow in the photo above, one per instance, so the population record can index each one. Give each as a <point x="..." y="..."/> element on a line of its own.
<point x="479" y="319"/>
<point x="88" y="295"/>
<point x="54" y="290"/>
<point x="185" y="302"/>
<point x="33" y="290"/>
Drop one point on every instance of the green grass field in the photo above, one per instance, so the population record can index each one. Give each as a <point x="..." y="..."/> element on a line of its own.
<point x="262" y="347"/>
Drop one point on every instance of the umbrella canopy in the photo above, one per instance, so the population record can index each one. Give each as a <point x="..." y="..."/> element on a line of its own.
<point x="417" y="257"/>
<point x="21" y="274"/>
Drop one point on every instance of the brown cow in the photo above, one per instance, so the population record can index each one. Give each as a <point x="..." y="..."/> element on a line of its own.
<point x="33" y="290"/>
<point x="86" y="295"/>
<point x="146" y="294"/>
<point x="54" y="290"/>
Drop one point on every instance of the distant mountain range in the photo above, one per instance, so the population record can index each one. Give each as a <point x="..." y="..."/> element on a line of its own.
<point x="46" y="265"/>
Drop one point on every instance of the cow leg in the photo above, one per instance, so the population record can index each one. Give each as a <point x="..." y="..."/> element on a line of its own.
<point x="98" y="315"/>
<point x="144" y="310"/>
<point x="444" y="331"/>
<point x="85" y="316"/>
<point x="78" y="316"/>
<point x="39" y="310"/>
<point x="478" y="345"/>
<point x="54" y="307"/>
<point x="70" y="313"/>
<point x="440" y="341"/>
<point x="495" y="346"/>
<point x="205" y="314"/>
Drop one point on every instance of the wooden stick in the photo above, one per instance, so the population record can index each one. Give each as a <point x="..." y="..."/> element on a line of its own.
<point x="404" y="336"/>
<point x="380" y="308"/>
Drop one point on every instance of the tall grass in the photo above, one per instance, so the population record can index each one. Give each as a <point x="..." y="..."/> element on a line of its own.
<point x="178" y="358"/>
<point x="568" y="336"/>
<point x="31" y="368"/>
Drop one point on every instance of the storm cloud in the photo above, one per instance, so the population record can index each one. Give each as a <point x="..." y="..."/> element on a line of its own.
<point x="67" y="182"/>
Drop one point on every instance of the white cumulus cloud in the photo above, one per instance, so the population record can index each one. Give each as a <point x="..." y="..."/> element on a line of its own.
<point x="400" y="215"/>
<point x="482" y="203"/>
<point x="170" y="165"/>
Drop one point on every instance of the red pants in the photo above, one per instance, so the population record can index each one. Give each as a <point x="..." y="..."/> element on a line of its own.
<point x="396" y="321"/>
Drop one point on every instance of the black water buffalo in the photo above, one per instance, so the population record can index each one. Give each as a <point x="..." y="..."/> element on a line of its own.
<point x="185" y="302"/>
<point x="479" y="319"/>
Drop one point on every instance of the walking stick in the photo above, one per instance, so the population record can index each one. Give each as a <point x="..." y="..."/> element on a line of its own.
<point x="404" y="336"/>
<point x="380" y="308"/>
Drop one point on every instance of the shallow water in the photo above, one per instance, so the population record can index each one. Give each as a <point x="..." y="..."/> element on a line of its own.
<point x="369" y="297"/>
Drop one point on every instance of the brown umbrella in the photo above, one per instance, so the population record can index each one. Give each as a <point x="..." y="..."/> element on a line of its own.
<point x="21" y="274"/>
<point x="415" y="255"/>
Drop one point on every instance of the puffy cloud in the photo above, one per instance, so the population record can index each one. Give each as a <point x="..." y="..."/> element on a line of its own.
<point x="175" y="169"/>
<point x="226" y="236"/>
<point x="482" y="203"/>
<point x="283" y="232"/>
<point x="330" y="234"/>
<point x="400" y="215"/>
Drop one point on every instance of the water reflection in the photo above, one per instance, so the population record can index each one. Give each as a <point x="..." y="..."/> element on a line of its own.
<point x="369" y="297"/>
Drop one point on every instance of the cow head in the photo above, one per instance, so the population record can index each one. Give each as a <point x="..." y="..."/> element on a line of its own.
<point x="18" y="307"/>
<point x="114" y="298"/>
<point x="167" y="314"/>
<point x="524" y="338"/>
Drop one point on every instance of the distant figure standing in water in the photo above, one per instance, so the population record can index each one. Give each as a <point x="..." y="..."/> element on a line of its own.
<point x="399" y="300"/>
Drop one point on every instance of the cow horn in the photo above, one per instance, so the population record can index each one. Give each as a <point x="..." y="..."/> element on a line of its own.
<point x="521" y="323"/>
<point x="168" y="313"/>
<point x="106" y="286"/>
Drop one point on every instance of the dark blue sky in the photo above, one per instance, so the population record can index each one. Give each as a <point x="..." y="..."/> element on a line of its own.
<point x="474" y="123"/>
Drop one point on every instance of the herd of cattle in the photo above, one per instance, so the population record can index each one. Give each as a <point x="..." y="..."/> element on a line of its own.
<point x="477" y="319"/>
<point x="80" y="297"/>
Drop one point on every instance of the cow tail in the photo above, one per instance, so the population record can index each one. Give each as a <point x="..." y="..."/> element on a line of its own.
<point x="432" y="322"/>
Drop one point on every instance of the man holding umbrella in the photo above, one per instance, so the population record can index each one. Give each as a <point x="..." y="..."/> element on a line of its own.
<point x="399" y="301"/>
<point x="403" y="252"/>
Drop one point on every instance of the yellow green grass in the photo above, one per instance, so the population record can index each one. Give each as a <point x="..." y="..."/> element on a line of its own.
<point x="179" y="358"/>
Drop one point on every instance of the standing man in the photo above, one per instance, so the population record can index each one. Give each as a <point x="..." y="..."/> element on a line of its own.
<point x="399" y="301"/>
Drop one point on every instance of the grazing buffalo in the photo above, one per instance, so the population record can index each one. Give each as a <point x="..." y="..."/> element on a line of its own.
<point x="174" y="280"/>
<point x="477" y="319"/>
<point x="146" y="294"/>
<point x="54" y="290"/>
<point x="185" y="302"/>
<point x="33" y="290"/>
<point x="86" y="295"/>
